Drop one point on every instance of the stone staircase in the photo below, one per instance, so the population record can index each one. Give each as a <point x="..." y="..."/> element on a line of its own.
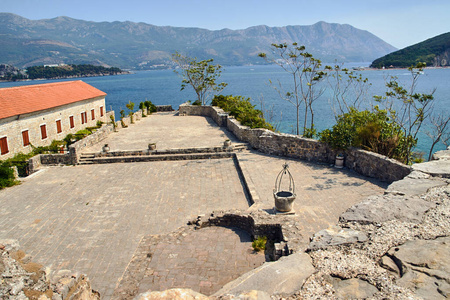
<point x="161" y="155"/>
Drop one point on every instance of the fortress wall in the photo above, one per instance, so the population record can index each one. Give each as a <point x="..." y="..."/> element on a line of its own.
<point x="363" y="162"/>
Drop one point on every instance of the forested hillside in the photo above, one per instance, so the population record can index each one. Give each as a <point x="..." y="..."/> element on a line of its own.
<point x="434" y="52"/>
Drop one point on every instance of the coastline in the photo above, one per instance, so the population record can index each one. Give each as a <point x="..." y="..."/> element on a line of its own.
<point x="69" y="77"/>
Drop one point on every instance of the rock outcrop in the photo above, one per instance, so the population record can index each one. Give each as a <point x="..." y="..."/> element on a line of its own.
<point x="23" y="279"/>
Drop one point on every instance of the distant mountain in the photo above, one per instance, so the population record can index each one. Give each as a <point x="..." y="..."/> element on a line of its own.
<point x="434" y="52"/>
<point x="142" y="46"/>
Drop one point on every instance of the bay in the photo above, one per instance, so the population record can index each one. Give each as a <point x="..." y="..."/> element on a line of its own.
<point x="163" y="87"/>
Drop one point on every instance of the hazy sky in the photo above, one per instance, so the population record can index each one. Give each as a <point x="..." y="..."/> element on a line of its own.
<point x="399" y="22"/>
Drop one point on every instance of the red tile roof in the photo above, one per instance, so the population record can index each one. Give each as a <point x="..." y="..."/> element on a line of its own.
<point x="31" y="98"/>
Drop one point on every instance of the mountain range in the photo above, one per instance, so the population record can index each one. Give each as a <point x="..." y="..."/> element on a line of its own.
<point x="132" y="45"/>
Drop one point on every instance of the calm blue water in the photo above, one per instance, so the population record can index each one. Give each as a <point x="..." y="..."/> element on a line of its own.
<point x="163" y="87"/>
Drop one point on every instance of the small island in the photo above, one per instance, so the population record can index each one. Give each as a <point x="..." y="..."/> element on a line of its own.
<point x="11" y="73"/>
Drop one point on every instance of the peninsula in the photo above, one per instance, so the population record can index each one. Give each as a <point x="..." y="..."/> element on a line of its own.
<point x="58" y="71"/>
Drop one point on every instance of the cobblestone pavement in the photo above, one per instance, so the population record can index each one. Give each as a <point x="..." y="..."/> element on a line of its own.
<point x="168" y="131"/>
<point x="323" y="192"/>
<point x="91" y="218"/>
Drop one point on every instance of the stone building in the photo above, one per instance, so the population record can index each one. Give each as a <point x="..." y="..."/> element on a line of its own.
<point x="38" y="114"/>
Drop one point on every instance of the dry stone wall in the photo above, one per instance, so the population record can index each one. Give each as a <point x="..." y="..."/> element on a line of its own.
<point x="364" y="162"/>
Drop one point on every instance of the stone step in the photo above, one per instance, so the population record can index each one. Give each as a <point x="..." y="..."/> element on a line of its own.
<point x="144" y="158"/>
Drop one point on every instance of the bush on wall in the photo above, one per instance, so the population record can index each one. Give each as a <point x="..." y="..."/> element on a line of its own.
<point x="241" y="108"/>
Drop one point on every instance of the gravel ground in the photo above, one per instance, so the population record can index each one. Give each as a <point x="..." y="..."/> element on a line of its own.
<point x="362" y="260"/>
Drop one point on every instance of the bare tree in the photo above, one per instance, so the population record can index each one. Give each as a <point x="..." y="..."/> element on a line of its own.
<point x="440" y="131"/>
<point x="348" y="89"/>
<point x="306" y="73"/>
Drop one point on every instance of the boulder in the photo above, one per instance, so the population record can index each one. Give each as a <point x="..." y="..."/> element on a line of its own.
<point x="353" y="288"/>
<point x="424" y="267"/>
<point x="413" y="187"/>
<point x="443" y="154"/>
<point x="383" y="208"/>
<point x="438" y="168"/>
<point x="282" y="277"/>
<point x="336" y="235"/>
<point x="172" y="294"/>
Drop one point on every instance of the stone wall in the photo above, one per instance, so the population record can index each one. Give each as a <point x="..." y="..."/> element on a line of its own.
<point x="364" y="162"/>
<point x="164" y="108"/>
<point x="76" y="148"/>
<point x="34" y="164"/>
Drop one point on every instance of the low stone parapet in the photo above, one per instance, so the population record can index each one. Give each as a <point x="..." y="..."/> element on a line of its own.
<point x="161" y="108"/>
<point x="364" y="162"/>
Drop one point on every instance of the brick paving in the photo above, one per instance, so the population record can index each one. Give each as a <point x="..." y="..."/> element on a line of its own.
<point x="92" y="218"/>
<point x="203" y="260"/>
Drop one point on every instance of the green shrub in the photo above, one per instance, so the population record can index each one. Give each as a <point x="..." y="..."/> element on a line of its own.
<point x="197" y="102"/>
<point x="6" y="175"/>
<point x="370" y="130"/>
<point x="99" y="124"/>
<point x="80" y="134"/>
<point x="241" y="108"/>
<point x="151" y="108"/>
<point x="259" y="244"/>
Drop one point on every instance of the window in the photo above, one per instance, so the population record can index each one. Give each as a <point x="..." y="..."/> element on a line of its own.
<point x="101" y="111"/>
<point x="92" y="114"/>
<point x="83" y="118"/>
<point x="25" y="138"/>
<point x="4" y="145"/>
<point x="72" y="123"/>
<point x="43" y="132"/>
<point x="58" y="126"/>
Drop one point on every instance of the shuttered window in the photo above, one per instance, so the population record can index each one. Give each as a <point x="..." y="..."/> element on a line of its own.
<point x="43" y="132"/>
<point x="25" y="138"/>
<point x="72" y="123"/>
<point x="101" y="111"/>
<point x="92" y="114"/>
<point x="4" y="145"/>
<point x="83" y="117"/>
<point x="58" y="126"/>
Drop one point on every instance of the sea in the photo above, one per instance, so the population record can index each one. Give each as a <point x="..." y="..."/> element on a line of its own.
<point x="163" y="87"/>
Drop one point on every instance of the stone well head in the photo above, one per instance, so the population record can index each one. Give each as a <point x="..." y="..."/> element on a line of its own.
<point x="284" y="191"/>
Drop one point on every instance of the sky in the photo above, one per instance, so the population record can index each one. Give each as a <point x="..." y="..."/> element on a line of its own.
<point x="400" y="23"/>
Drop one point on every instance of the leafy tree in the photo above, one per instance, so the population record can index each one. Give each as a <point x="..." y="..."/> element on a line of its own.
<point x="201" y="75"/>
<point x="407" y="108"/>
<point x="306" y="72"/>
<point x="130" y="106"/>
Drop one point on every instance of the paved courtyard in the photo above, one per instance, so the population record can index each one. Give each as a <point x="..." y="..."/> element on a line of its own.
<point x="91" y="218"/>
<point x="168" y="131"/>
